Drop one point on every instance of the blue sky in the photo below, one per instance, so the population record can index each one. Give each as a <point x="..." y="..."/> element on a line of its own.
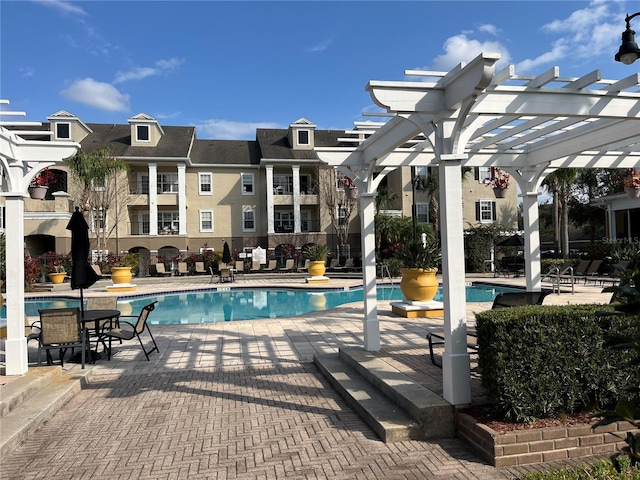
<point x="230" y="67"/>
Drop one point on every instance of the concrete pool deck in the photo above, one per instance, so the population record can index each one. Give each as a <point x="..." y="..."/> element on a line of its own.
<point x="242" y="399"/>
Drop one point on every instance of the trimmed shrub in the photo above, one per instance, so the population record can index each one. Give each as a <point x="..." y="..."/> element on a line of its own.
<point x="600" y="470"/>
<point x="541" y="361"/>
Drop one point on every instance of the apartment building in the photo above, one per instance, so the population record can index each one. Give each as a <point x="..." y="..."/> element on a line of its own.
<point x="184" y="194"/>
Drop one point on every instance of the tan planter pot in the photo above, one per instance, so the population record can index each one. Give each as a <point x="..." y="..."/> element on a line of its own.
<point x="317" y="268"/>
<point x="57" y="277"/>
<point x="38" y="192"/>
<point x="419" y="285"/>
<point x="120" y="275"/>
<point x="500" y="192"/>
<point x="633" y="192"/>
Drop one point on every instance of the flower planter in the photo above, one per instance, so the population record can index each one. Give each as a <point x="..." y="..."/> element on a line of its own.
<point x="351" y="192"/>
<point x="418" y="284"/>
<point x="120" y="275"/>
<point x="317" y="268"/>
<point x="57" y="277"/>
<point x="38" y="192"/>
<point x="633" y="192"/>
<point x="500" y="192"/>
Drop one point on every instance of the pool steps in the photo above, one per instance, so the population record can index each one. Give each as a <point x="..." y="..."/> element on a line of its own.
<point x="396" y="407"/>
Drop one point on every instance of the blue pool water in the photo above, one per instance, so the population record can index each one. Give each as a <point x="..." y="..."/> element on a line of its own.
<point x="208" y="306"/>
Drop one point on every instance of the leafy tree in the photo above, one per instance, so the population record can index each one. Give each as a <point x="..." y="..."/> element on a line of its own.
<point x="559" y="183"/>
<point x="101" y="185"/>
<point x="334" y="196"/>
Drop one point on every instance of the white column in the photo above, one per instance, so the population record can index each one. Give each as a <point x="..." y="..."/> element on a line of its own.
<point x="270" y="211"/>
<point x="613" y="228"/>
<point x="296" y="199"/>
<point x="16" y="354"/>
<point x="153" y="199"/>
<point x="371" y="325"/>
<point x="456" y="370"/>
<point x="531" y="241"/>
<point x="182" y="199"/>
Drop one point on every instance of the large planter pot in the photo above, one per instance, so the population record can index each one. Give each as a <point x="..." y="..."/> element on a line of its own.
<point x="57" y="277"/>
<point x="317" y="268"/>
<point x="38" y="192"/>
<point x="419" y="285"/>
<point x="121" y="275"/>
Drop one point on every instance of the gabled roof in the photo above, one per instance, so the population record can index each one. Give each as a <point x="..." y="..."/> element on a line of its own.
<point x="176" y="141"/>
<point x="274" y="143"/>
<point x="225" y="152"/>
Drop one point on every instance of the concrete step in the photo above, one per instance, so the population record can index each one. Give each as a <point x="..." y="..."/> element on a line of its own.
<point x="28" y="401"/>
<point x="385" y="418"/>
<point x="434" y="413"/>
<point x="395" y="406"/>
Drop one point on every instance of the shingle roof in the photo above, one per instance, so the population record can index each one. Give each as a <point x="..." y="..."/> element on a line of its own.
<point x="275" y="144"/>
<point x="225" y="152"/>
<point x="175" y="142"/>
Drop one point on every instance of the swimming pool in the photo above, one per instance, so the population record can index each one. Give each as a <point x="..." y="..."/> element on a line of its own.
<point x="219" y="305"/>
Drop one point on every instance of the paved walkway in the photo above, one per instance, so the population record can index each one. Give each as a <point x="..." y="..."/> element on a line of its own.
<point x="243" y="400"/>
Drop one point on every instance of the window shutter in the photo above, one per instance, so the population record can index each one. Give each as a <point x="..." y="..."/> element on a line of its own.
<point x="493" y="211"/>
<point x="477" y="211"/>
<point x="476" y="173"/>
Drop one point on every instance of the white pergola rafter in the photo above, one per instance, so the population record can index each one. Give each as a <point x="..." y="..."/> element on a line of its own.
<point x="473" y="116"/>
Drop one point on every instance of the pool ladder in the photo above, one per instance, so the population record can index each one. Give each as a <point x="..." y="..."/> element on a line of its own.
<point x="385" y="269"/>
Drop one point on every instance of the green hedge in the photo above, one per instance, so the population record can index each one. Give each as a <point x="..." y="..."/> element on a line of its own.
<point x="541" y="361"/>
<point x="600" y="470"/>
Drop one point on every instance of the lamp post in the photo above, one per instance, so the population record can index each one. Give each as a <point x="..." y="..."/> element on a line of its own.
<point x="629" y="51"/>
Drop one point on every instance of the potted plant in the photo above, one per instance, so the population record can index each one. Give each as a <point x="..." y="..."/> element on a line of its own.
<point x="499" y="182"/>
<point x="57" y="275"/>
<point x="121" y="267"/>
<point x="631" y="183"/>
<point x="419" y="283"/>
<point x="40" y="184"/>
<point x="317" y="255"/>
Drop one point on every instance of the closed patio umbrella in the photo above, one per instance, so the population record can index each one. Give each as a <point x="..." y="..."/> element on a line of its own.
<point x="513" y="241"/>
<point x="82" y="275"/>
<point x="226" y="253"/>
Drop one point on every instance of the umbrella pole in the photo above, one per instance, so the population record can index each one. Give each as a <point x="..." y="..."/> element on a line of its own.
<point x="81" y="301"/>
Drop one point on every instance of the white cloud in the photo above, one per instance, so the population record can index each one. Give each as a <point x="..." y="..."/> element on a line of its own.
<point x="590" y="31"/>
<point x="488" y="28"/>
<point x="461" y="48"/>
<point x="320" y="47"/>
<point x="230" y="130"/>
<point x="61" y="6"/>
<point x="138" y="73"/>
<point x="100" y="95"/>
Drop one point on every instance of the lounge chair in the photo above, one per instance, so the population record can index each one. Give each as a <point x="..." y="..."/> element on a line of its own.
<point x="96" y="268"/>
<point x="61" y="329"/>
<point x="592" y="271"/>
<point x="288" y="265"/>
<point x="305" y="267"/>
<point x="183" y="269"/>
<point x="226" y="275"/>
<point x="255" y="266"/>
<point x="131" y="330"/>
<point x="239" y="269"/>
<point x="200" y="268"/>
<point x="333" y="264"/>
<point x="214" y="276"/>
<point x="348" y="265"/>
<point x="614" y="276"/>
<point x="160" y="270"/>
<point x="271" y="266"/>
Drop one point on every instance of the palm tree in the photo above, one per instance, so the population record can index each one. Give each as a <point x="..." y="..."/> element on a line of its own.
<point x="559" y="183"/>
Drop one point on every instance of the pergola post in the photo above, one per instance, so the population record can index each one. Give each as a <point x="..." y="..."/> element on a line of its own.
<point x="531" y="241"/>
<point x="456" y="368"/>
<point x="371" y="324"/>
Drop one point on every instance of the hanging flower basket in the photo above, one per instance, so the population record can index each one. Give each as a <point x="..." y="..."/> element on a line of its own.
<point x="633" y="192"/>
<point x="500" y="192"/>
<point x="499" y="182"/>
<point x="38" y="192"/>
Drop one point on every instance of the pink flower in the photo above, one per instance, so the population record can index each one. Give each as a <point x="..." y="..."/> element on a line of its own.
<point x="499" y="179"/>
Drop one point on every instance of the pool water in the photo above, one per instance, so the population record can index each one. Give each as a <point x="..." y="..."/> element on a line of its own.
<point x="218" y="305"/>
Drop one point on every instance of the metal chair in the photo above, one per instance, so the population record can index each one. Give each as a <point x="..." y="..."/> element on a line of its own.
<point x="200" y="268"/>
<point x="131" y="330"/>
<point x="61" y="329"/>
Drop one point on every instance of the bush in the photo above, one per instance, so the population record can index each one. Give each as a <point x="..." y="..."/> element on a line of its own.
<point x="600" y="470"/>
<point x="541" y="361"/>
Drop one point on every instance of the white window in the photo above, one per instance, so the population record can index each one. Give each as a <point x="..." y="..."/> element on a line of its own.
<point x="98" y="220"/>
<point x="303" y="137"/>
<point x="247" y="183"/>
<point x="143" y="224"/>
<point x="168" y="223"/>
<point x="486" y="211"/>
<point x="422" y="212"/>
<point x="63" y="131"/>
<point x="248" y="219"/>
<point x="99" y="184"/>
<point x="206" y="220"/>
<point x="421" y="171"/>
<point x="142" y="184"/>
<point x="2" y="217"/>
<point x="205" y="182"/>
<point x="283" y="184"/>
<point x="168" y="183"/>
<point x="342" y="216"/>
<point x="485" y="174"/>
<point x="283" y="221"/>
<point x="142" y="133"/>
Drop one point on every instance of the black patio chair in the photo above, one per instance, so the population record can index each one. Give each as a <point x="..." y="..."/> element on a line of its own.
<point x="517" y="299"/>
<point x="61" y="329"/>
<point x="128" y="330"/>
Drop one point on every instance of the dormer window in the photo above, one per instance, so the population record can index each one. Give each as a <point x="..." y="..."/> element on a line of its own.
<point x="63" y="131"/>
<point x="142" y="133"/>
<point x="303" y="137"/>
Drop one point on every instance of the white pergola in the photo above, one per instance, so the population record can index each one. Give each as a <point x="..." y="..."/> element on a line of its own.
<point x="21" y="160"/>
<point x="476" y="117"/>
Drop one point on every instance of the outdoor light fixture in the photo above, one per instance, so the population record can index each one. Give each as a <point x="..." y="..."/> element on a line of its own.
<point x="629" y="51"/>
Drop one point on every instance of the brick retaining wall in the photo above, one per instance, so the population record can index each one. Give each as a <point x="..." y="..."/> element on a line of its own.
<point x="522" y="447"/>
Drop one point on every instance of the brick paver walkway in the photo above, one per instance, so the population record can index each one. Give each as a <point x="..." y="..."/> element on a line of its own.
<point x="238" y="400"/>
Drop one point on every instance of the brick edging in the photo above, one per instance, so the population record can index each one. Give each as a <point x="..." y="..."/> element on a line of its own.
<point x="522" y="447"/>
